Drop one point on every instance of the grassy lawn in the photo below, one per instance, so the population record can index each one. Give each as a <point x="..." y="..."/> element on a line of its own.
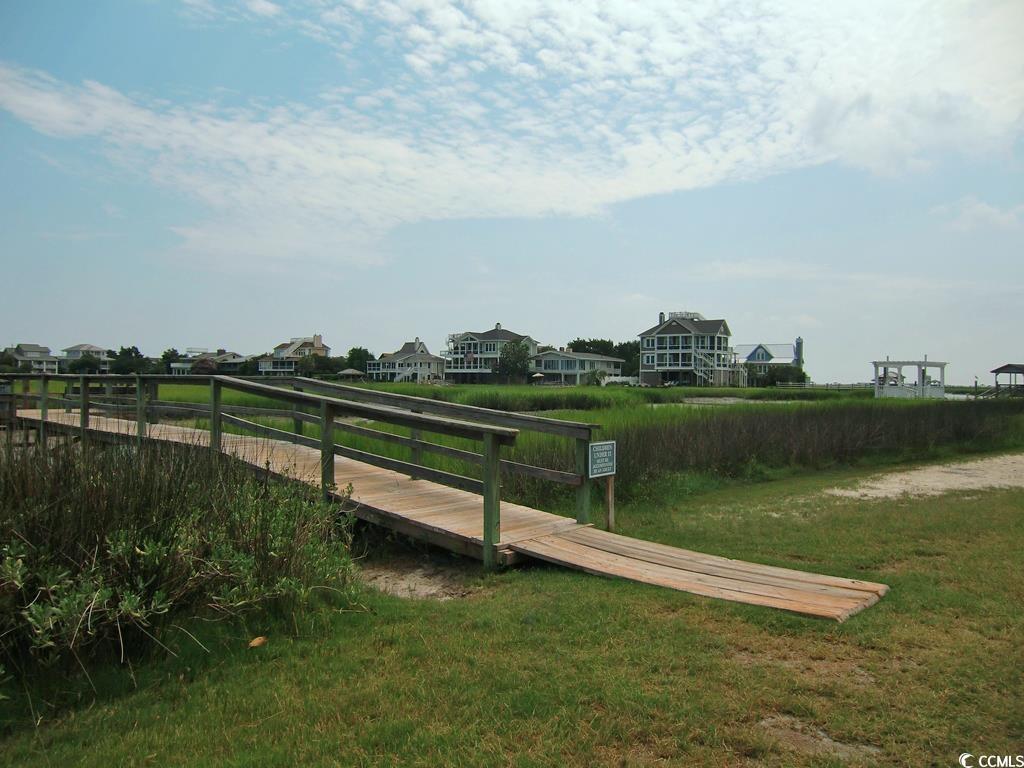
<point x="542" y="666"/>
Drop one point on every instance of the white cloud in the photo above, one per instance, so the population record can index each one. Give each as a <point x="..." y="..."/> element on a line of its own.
<point x="262" y="7"/>
<point x="541" y="108"/>
<point x="970" y="213"/>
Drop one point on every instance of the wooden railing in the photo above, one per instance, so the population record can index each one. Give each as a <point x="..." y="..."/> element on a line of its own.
<point x="310" y="401"/>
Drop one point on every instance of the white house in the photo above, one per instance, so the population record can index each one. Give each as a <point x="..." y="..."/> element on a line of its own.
<point x="285" y="357"/>
<point x="685" y="348"/>
<point x="37" y="356"/>
<point x="78" y="351"/>
<point x="568" y="367"/>
<point x="472" y="356"/>
<point x="413" y="362"/>
<point x="225" y="362"/>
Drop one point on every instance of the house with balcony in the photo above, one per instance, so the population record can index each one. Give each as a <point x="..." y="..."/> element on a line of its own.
<point x="36" y="356"/>
<point x="687" y="349"/>
<point x="564" y="366"/>
<point x="78" y="351"/>
<point x="284" y="360"/>
<point x="759" y="358"/>
<point x="222" y="361"/>
<point x="472" y="356"/>
<point x="413" y="362"/>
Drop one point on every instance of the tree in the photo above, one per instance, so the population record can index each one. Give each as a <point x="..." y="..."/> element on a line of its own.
<point x="127" y="360"/>
<point x="85" y="364"/>
<point x="514" y="361"/>
<point x="170" y="356"/>
<point x="8" y="364"/>
<point x="593" y="346"/>
<point x="629" y="351"/>
<point x="306" y="365"/>
<point x="779" y="374"/>
<point x="250" y="367"/>
<point x="358" y="357"/>
<point x="204" y="366"/>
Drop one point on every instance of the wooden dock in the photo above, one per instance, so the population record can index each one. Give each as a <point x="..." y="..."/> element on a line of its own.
<point x="453" y="518"/>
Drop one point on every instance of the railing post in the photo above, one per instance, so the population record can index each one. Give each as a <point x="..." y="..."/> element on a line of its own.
<point x="327" y="414"/>
<point x="492" y="500"/>
<point x="417" y="452"/>
<point x="583" y="491"/>
<point x="44" y="407"/>
<point x="215" y="414"/>
<point x="153" y="396"/>
<point x="83" y="406"/>
<point x="140" y="408"/>
<point x="297" y="426"/>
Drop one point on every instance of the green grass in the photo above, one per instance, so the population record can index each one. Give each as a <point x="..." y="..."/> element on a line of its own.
<point x="542" y="666"/>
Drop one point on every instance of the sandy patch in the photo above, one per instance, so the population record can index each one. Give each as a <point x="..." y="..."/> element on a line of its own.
<point x="799" y="736"/>
<point x="404" y="577"/>
<point x="994" y="472"/>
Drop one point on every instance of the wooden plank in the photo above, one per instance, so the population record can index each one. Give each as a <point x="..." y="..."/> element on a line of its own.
<point x="640" y="549"/>
<point x="558" y="550"/>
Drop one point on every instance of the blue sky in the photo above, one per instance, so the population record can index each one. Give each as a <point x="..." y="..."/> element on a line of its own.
<point x="231" y="174"/>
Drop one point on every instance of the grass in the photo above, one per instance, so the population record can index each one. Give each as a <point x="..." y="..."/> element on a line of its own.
<point x="542" y="666"/>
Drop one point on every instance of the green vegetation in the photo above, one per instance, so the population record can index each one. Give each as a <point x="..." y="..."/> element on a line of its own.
<point x="102" y="550"/>
<point x="543" y="666"/>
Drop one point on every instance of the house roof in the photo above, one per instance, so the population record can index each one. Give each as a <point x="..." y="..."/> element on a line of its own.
<point x="33" y="348"/>
<point x="84" y="348"/>
<point x="293" y="345"/>
<point x="686" y="325"/>
<point x="351" y="372"/>
<point x="497" y="333"/>
<point x="1009" y="368"/>
<point x="785" y="352"/>
<point x="580" y="355"/>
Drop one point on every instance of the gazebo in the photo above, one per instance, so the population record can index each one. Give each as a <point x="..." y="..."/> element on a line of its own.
<point x="351" y="373"/>
<point x="1015" y="385"/>
<point x="890" y="381"/>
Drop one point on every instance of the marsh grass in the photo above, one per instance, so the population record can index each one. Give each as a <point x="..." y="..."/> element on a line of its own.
<point x="732" y="441"/>
<point x="100" y="550"/>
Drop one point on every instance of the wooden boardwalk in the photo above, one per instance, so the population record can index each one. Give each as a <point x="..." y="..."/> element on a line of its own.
<point x="453" y="519"/>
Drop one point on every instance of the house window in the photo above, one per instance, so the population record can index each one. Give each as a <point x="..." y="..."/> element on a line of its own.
<point x="648" y="359"/>
<point x="648" y="342"/>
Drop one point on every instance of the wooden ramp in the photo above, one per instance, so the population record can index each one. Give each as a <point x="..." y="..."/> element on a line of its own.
<point x="453" y="519"/>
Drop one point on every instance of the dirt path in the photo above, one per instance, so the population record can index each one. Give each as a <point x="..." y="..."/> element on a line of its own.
<point x="994" y="472"/>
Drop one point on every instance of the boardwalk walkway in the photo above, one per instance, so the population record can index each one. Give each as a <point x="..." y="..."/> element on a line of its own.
<point x="452" y="518"/>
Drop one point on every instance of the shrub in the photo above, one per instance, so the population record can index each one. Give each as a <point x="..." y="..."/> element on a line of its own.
<point x="100" y="549"/>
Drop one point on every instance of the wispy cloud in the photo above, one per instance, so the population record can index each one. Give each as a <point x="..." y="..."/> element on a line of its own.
<point x="970" y="213"/>
<point x="547" y="108"/>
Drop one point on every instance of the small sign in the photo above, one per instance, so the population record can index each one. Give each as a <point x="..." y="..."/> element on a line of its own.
<point x="602" y="459"/>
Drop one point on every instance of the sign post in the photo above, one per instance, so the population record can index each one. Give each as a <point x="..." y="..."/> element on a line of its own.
<point x="601" y="463"/>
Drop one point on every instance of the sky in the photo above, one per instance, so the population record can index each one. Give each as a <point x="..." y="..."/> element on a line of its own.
<point x="204" y="173"/>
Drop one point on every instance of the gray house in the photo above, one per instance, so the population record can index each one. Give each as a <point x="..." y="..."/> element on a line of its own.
<point x="413" y="362"/>
<point x="472" y="356"/>
<point x="35" y="355"/>
<point x="685" y="348"/>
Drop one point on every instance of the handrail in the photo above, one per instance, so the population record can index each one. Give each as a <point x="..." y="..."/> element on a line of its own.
<point x="470" y="412"/>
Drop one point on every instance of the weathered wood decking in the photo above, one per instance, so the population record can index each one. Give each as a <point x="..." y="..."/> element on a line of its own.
<point x="453" y="518"/>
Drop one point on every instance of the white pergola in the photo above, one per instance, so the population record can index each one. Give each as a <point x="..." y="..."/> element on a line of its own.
<point x="890" y="381"/>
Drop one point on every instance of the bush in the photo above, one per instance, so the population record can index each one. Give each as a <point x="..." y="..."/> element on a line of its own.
<point x="100" y="549"/>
